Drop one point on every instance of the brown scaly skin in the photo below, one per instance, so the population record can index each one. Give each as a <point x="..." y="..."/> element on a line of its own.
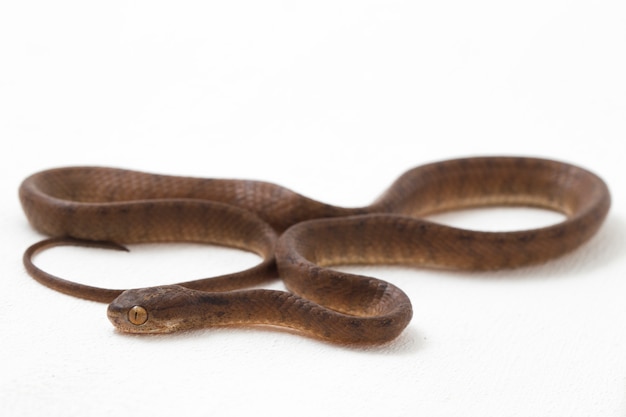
<point x="95" y="206"/>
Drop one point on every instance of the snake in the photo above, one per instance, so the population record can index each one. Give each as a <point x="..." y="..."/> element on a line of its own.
<point x="302" y="241"/>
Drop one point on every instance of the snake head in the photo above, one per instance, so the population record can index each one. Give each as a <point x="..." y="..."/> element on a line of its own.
<point x="162" y="309"/>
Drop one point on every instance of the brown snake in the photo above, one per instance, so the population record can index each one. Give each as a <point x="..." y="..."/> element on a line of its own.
<point x="303" y="238"/>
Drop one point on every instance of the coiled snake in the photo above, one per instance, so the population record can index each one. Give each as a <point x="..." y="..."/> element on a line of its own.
<point x="300" y="239"/>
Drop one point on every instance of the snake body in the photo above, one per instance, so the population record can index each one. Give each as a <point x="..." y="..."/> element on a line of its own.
<point x="300" y="239"/>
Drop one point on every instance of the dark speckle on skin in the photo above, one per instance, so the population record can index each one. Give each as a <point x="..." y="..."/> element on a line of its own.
<point x="386" y="322"/>
<point x="467" y="238"/>
<point x="216" y="301"/>
<point x="527" y="237"/>
<point x="355" y="323"/>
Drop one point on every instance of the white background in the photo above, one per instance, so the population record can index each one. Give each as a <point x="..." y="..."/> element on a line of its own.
<point x="333" y="99"/>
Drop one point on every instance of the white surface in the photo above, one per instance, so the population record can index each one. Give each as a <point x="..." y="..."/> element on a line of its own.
<point x="334" y="100"/>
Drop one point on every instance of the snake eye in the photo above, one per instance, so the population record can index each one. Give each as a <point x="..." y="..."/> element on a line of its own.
<point x="137" y="315"/>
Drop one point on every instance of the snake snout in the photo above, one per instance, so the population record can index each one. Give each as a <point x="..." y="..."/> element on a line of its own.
<point x="148" y="310"/>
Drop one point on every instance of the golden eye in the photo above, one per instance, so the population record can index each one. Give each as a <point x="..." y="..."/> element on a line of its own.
<point x="138" y="315"/>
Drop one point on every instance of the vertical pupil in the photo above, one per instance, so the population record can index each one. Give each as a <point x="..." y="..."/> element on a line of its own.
<point x="137" y="315"/>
